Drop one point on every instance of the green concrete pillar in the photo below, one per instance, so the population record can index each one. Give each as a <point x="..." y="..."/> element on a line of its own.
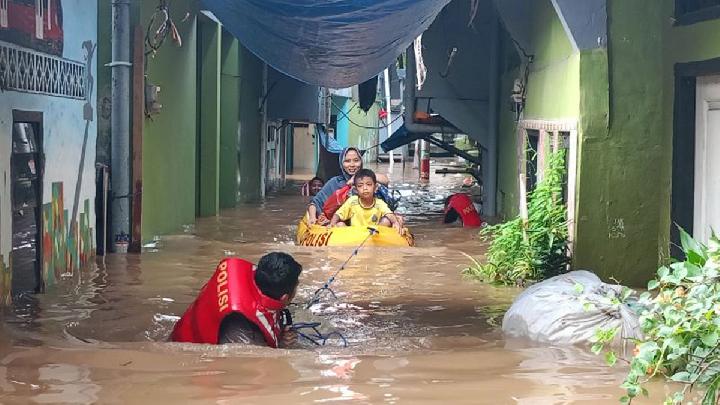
<point x="229" y="119"/>
<point x="209" y="58"/>
<point x="249" y="143"/>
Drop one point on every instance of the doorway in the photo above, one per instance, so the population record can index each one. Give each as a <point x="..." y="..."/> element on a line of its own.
<point x="706" y="216"/>
<point x="26" y="170"/>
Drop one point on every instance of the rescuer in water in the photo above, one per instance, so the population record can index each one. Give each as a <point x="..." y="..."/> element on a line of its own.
<point x="243" y="303"/>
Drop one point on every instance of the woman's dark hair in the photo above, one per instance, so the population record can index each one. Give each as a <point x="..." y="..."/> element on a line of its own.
<point x="277" y="274"/>
<point x="363" y="173"/>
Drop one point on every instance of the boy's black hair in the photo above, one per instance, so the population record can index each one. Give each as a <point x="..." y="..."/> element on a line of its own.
<point x="277" y="274"/>
<point x="363" y="173"/>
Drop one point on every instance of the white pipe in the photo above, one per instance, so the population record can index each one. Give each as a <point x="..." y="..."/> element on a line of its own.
<point x="389" y="114"/>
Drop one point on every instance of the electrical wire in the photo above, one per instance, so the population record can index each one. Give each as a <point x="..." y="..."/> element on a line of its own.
<point x="358" y="125"/>
<point x="155" y="35"/>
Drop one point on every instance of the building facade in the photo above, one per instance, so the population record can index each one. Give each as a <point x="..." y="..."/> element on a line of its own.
<point x="629" y="88"/>
<point x="48" y="122"/>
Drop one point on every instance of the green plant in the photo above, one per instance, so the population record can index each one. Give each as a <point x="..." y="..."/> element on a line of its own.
<point x="680" y="321"/>
<point x="534" y="249"/>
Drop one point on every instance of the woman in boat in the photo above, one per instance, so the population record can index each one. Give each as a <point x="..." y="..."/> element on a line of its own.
<point x="336" y="188"/>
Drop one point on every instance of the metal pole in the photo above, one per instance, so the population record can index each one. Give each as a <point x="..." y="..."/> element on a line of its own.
<point x="389" y="114"/>
<point x="120" y="120"/>
<point x="425" y="160"/>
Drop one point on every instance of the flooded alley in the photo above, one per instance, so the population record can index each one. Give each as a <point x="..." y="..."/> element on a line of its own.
<point x="417" y="332"/>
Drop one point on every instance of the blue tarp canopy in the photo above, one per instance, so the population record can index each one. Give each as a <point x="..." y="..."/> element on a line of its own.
<point x="400" y="137"/>
<point x="330" y="43"/>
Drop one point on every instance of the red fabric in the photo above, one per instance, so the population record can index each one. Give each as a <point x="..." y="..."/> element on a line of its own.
<point x="335" y="200"/>
<point x="231" y="289"/>
<point x="463" y="205"/>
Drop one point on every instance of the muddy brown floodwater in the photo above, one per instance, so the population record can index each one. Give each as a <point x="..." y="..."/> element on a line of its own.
<point x="417" y="331"/>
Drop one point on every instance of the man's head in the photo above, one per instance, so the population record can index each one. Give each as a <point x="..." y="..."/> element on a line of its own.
<point x="365" y="184"/>
<point x="277" y="276"/>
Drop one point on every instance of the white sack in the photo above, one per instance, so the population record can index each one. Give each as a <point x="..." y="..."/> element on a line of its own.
<point x="568" y="309"/>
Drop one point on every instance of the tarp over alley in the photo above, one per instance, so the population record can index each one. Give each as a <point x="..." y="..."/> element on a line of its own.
<point x="331" y="43"/>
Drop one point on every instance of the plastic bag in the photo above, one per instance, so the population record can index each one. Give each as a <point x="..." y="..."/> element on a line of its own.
<point x="569" y="309"/>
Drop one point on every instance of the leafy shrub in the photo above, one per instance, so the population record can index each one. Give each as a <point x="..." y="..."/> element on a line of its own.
<point x="680" y="321"/>
<point x="535" y="249"/>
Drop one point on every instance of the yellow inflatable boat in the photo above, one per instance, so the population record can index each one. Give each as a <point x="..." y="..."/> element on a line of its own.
<point x="317" y="235"/>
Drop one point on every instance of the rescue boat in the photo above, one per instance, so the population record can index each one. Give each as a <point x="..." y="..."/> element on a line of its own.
<point x="318" y="235"/>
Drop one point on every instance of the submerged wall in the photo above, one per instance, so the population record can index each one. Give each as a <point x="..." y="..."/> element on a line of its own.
<point x="169" y="138"/>
<point x="69" y="130"/>
<point x="621" y="193"/>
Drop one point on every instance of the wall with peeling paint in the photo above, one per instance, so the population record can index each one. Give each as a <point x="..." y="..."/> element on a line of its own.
<point x="623" y="179"/>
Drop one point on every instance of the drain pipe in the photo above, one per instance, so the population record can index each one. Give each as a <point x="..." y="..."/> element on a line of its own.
<point x="120" y="124"/>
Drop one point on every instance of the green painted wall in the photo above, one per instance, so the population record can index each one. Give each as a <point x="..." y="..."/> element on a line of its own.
<point x="624" y="98"/>
<point x="553" y="84"/>
<point x="553" y="92"/>
<point x="169" y="139"/>
<point x="620" y="190"/>
<point x="249" y="145"/>
<point x="229" y="120"/>
<point x="690" y="43"/>
<point x="209" y="113"/>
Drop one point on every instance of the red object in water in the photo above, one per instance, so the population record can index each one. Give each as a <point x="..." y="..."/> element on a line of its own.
<point x="425" y="168"/>
<point x="336" y="199"/>
<point x="461" y="205"/>
<point x="231" y="289"/>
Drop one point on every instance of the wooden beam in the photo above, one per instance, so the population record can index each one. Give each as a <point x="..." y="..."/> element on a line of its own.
<point x="138" y="118"/>
<point x="522" y="175"/>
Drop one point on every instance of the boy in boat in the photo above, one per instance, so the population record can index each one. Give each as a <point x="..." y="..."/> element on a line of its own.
<point x="364" y="209"/>
<point x="243" y="303"/>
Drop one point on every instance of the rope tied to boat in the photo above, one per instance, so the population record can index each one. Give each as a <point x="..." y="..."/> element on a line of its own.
<point x="326" y="287"/>
<point x="314" y="335"/>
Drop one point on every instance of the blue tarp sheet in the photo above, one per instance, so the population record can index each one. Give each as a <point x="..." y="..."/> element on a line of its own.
<point x="400" y="137"/>
<point x="331" y="43"/>
<point x="328" y="142"/>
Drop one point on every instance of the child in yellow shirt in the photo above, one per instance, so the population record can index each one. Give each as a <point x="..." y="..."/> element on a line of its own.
<point x="364" y="209"/>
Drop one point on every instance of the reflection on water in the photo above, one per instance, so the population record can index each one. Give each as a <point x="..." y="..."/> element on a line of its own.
<point x="417" y="331"/>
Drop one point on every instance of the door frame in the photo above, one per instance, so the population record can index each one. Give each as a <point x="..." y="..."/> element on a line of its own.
<point x="704" y="105"/>
<point x="35" y="117"/>
<point x="682" y="211"/>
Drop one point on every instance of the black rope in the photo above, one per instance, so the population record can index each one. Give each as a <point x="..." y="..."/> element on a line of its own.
<point x="316" y="296"/>
<point x="314" y="335"/>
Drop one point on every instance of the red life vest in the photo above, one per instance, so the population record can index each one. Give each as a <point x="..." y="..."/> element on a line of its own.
<point x="336" y="199"/>
<point x="231" y="289"/>
<point x="463" y="206"/>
